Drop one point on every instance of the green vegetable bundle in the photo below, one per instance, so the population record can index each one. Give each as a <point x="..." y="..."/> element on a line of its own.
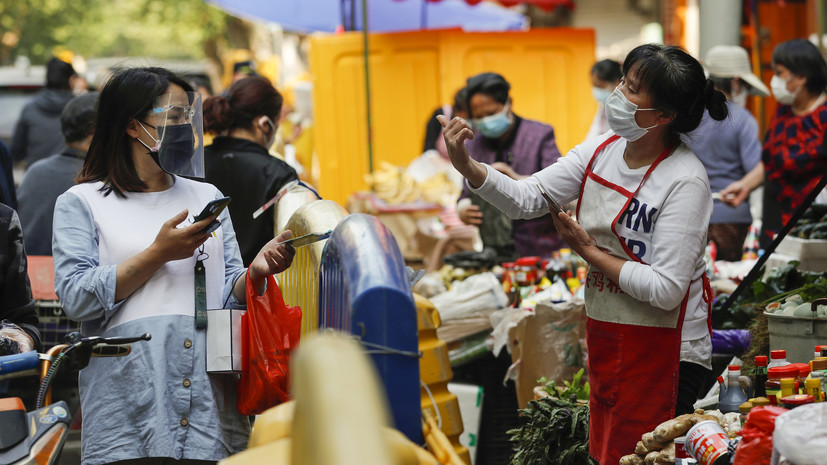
<point x="781" y="282"/>
<point x="553" y="431"/>
<point x="813" y="224"/>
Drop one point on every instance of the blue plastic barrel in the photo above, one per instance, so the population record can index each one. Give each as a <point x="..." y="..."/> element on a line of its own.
<point x="365" y="291"/>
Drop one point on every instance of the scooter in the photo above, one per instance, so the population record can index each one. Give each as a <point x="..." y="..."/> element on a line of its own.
<point x="37" y="437"/>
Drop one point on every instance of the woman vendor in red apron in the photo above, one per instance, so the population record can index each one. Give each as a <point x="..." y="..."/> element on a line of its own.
<point x="643" y="208"/>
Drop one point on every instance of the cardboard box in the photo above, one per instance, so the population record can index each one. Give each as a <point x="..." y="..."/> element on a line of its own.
<point x="469" y="398"/>
<point x="224" y="340"/>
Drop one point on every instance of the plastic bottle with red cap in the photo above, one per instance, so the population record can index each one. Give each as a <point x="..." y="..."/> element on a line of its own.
<point x="778" y="358"/>
<point x="760" y="376"/>
<point x="733" y="395"/>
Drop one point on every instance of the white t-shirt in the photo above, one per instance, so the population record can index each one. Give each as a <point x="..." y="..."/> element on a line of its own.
<point x="674" y="245"/>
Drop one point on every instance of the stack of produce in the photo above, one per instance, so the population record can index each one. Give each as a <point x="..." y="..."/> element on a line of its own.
<point x="813" y="223"/>
<point x="658" y="446"/>
<point x="794" y="305"/>
<point x="395" y="186"/>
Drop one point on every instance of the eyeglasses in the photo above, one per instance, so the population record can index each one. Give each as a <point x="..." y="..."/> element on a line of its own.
<point x="175" y="114"/>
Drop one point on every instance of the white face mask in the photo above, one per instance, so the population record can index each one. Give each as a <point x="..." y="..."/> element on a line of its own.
<point x="780" y="92"/>
<point x="740" y="98"/>
<point x="272" y="138"/>
<point x="620" y="114"/>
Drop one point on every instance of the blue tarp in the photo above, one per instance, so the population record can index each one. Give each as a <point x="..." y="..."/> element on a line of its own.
<point x="383" y="15"/>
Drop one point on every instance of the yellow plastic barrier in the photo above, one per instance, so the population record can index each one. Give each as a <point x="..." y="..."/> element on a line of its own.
<point x="435" y="372"/>
<point x="413" y="73"/>
<point x="339" y="416"/>
<point x="300" y="282"/>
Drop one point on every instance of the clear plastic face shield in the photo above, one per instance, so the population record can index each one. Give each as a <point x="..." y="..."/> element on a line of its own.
<point x="179" y="122"/>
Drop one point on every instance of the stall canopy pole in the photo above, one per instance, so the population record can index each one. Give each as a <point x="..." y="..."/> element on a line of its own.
<point x="367" y="82"/>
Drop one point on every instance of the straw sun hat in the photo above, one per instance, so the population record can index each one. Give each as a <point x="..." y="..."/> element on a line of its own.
<point x="729" y="61"/>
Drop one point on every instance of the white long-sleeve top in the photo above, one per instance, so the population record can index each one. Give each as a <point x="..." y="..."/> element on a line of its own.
<point x="674" y="241"/>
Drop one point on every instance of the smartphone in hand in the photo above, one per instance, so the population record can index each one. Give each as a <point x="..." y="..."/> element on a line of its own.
<point x="215" y="207"/>
<point x="553" y="205"/>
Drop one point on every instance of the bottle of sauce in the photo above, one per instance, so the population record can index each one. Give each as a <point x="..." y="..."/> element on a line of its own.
<point x="812" y="387"/>
<point x="525" y="271"/>
<point x="760" y="376"/>
<point x="733" y="396"/>
<point x="774" y="376"/>
<point x="508" y="277"/>
<point x="778" y="358"/>
<point x="788" y="387"/>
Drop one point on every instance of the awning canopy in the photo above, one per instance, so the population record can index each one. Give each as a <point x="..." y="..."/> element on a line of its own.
<point x="383" y="15"/>
<point x="547" y="5"/>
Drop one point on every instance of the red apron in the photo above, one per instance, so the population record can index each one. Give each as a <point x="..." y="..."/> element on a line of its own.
<point x="634" y="348"/>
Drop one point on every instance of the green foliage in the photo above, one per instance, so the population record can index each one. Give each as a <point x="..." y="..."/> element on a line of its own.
<point x="575" y="388"/>
<point x="100" y="28"/>
<point x="552" y="432"/>
<point x="780" y="283"/>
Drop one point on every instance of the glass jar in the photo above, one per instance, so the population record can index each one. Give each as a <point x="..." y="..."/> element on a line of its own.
<point x="774" y="376"/>
<point x="525" y="271"/>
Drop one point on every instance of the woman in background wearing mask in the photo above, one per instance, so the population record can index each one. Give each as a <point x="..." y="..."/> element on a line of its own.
<point x="643" y="209"/>
<point x="792" y="147"/>
<point x="517" y="147"/>
<point x="128" y="262"/>
<point x="238" y="161"/>
<point x="730" y="151"/>
<point x="605" y="77"/>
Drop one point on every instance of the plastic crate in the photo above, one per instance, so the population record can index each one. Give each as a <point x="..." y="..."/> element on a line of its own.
<point x="54" y="324"/>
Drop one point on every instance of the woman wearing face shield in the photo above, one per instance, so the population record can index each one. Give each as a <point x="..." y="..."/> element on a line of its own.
<point x="127" y="262"/>
<point x="792" y="153"/>
<point x="238" y="162"/>
<point x="643" y="208"/>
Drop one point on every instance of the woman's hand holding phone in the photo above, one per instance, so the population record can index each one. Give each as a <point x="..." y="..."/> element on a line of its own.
<point x="174" y="243"/>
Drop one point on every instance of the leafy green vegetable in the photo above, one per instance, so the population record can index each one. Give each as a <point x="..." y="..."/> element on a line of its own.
<point x="780" y="283"/>
<point x="552" y="432"/>
<point x="574" y="388"/>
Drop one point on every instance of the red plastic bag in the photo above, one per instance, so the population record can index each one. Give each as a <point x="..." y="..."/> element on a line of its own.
<point x="270" y="330"/>
<point x="755" y="447"/>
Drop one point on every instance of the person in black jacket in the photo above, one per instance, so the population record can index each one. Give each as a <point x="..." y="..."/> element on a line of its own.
<point x="37" y="133"/>
<point x="238" y="162"/>
<point x="18" y="318"/>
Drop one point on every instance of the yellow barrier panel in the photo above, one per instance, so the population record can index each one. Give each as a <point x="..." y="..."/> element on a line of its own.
<point x="435" y="373"/>
<point x="413" y="73"/>
<point x="341" y="414"/>
<point x="300" y="282"/>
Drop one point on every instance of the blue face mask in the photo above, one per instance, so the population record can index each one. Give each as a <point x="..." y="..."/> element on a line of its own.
<point x="496" y="125"/>
<point x="601" y="94"/>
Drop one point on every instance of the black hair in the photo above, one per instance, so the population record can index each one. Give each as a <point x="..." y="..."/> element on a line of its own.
<point x="58" y="73"/>
<point x="490" y="84"/>
<point x="676" y="84"/>
<point x="461" y="100"/>
<point x="129" y="94"/>
<point x="607" y="70"/>
<point x="801" y="57"/>
<point x="78" y="117"/>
